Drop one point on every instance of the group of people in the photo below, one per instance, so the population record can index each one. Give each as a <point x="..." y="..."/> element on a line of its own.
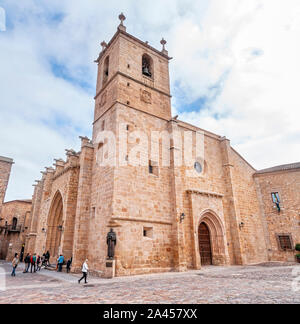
<point x="32" y="261"/>
<point x="35" y="263"/>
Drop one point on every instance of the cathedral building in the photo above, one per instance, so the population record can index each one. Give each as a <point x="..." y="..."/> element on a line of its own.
<point x="178" y="197"/>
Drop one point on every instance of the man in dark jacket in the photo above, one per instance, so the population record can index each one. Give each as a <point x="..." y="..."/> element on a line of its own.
<point x="47" y="255"/>
<point x="27" y="263"/>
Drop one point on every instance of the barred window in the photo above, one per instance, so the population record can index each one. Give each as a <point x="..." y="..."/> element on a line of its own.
<point x="285" y="242"/>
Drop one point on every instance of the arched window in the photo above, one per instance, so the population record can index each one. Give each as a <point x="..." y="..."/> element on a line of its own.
<point x="147" y="66"/>
<point x="105" y="69"/>
<point x="14" y="223"/>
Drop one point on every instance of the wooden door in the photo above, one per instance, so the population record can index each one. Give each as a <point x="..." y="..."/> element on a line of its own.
<point x="205" y="245"/>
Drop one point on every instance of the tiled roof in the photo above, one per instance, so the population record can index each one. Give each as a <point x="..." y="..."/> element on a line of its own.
<point x="284" y="167"/>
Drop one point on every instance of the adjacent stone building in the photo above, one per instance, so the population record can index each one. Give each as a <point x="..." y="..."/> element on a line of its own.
<point x="14" y="216"/>
<point x="177" y="196"/>
<point x="5" y="169"/>
<point x="14" y="225"/>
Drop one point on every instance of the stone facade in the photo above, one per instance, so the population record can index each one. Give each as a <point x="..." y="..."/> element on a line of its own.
<point x="158" y="207"/>
<point x="285" y="181"/>
<point x="5" y="169"/>
<point x="14" y="226"/>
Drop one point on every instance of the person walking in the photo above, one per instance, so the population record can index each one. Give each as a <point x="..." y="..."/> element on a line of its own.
<point x="33" y="263"/>
<point x="69" y="265"/>
<point x="15" y="263"/>
<point x="85" y="269"/>
<point x="27" y="262"/>
<point x="60" y="262"/>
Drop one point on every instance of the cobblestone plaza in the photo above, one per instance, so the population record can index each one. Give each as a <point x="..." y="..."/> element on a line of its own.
<point x="267" y="283"/>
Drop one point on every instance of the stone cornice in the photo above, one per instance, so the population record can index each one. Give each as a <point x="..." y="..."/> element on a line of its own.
<point x="124" y="33"/>
<point x="140" y="220"/>
<point x="132" y="79"/>
<point x="65" y="171"/>
<point x="205" y="193"/>
<point x="6" y="159"/>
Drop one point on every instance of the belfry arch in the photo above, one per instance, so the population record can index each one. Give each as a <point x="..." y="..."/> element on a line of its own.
<point x="55" y="226"/>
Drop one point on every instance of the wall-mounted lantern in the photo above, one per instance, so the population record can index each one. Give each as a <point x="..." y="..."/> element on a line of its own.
<point x="242" y="224"/>
<point x="182" y="217"/>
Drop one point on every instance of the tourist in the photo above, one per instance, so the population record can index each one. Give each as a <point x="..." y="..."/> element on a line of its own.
<point x="47" y="255"/>
<point x="15" y="263"/>
<point x="43" y="260"/>
<point x="60" y="262"/>
<point x="27" y="263"/>
<point x="38" y="262"/>
<point x="69" y="265"/>
<point x="33" y="263"/>
<point x="85" y="270"/>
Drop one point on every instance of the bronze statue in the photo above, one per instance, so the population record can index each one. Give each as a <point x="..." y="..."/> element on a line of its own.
<point x="111" y="243"/>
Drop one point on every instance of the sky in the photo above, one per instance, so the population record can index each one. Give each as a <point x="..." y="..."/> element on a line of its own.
<point x="235" y="72"/>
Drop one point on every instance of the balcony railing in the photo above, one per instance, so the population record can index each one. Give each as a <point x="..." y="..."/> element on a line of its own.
<point x="13" y="228"/>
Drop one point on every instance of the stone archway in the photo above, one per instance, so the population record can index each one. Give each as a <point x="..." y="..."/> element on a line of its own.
<point x="212" y="240"/>
<point x="55" y="226"/>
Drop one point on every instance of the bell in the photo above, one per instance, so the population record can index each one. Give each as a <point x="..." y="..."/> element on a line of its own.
<point x="146" y="71"/>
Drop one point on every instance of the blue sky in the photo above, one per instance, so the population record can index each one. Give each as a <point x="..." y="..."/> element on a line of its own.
<point x="235" y="72"/>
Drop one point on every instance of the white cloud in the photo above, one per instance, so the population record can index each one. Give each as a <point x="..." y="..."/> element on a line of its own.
<point x="241" y="55"/>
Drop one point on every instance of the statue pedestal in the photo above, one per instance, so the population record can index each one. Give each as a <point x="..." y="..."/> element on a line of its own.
<point x="110" y="269"/>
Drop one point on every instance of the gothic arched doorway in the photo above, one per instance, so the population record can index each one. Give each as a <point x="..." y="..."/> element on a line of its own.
<point x="55" y="226"/>
<point x="205" y="248"/>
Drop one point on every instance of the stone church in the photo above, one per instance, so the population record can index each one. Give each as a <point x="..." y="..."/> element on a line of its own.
<point x="167" y="216"/>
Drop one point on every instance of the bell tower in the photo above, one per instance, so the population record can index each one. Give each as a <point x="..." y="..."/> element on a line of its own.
<point x="132" y="102"/>
<point x="133" y="74"/>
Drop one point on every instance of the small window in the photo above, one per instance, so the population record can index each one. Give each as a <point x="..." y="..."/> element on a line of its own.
<point x="153" y="168"/>
<point x="275" y="197"/>
<point x="285" y="242"/>
<point x="147" y="66"/>
<point x="103" y="126"/>
<point x="14" y="223"/>
<point x="106" y="70"/>
<point x="93" y="212"/>
<point x="148" y="232"/>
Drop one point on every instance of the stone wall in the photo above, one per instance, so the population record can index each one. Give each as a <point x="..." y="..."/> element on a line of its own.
<point x="5" y="169"/>
<point x="287" y="184"/>
<point x="11" y="240"/>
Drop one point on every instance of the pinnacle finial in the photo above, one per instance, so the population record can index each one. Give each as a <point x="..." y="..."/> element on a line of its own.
<point x="121" y="26"/>
<point x="104" y="45"/>
<point x="163" y="43"/>
<point x="122" y="18"/>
